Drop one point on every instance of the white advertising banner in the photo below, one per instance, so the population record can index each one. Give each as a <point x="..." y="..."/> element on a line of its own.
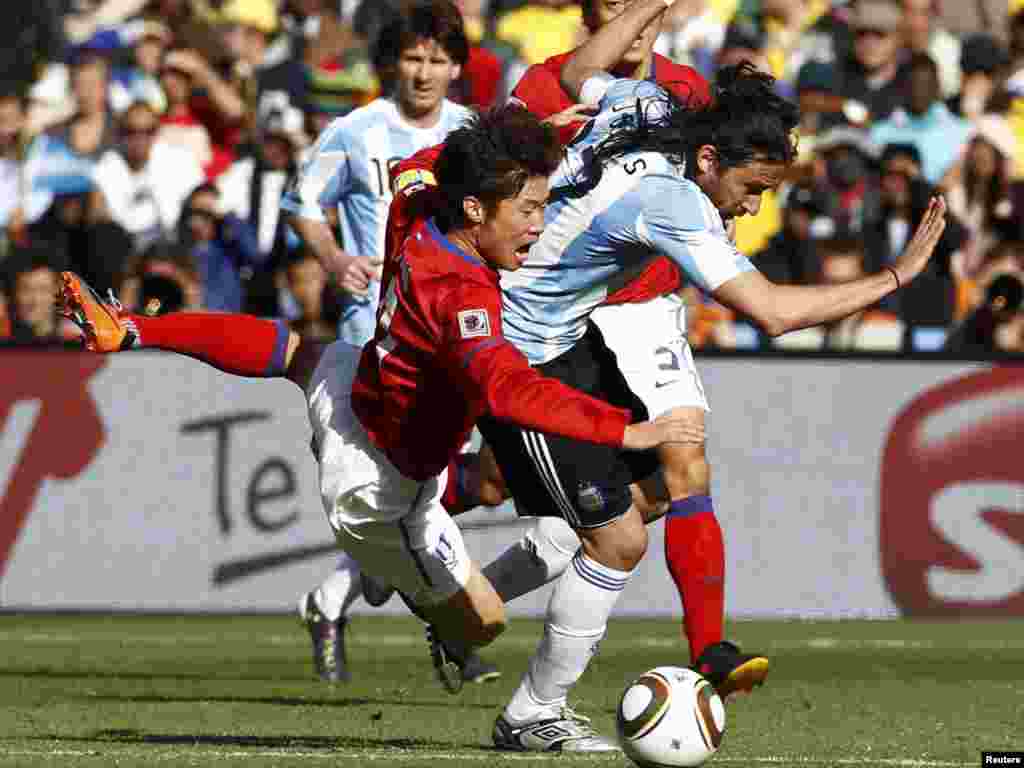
<point x="845" y="488"/>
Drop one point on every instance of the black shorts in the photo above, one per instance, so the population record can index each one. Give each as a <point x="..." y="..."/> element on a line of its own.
<point x="584" y="483"/>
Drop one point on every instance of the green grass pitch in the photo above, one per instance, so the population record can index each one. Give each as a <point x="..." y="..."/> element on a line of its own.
<point x="225" y="691"/>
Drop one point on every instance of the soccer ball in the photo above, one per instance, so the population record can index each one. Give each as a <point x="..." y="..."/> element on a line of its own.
<point x="670" y="716"/>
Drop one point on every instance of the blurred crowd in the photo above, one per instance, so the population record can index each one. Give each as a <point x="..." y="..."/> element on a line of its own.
<point x="145" y="144"/>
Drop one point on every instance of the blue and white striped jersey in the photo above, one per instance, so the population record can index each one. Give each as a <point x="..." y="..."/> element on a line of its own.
<point x="348" y="168"/>
<point x="597" y="237"/>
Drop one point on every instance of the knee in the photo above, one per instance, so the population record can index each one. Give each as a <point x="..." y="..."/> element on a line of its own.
<point x="632" y="548"/>
<point x="623" y="551"/>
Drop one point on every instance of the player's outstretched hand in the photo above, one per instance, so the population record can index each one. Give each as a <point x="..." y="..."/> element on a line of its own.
<point x="667" y="428"/>
<point x="355" y="274"/>
<point x="919" y="250"/>
<point x="574" y="114"/>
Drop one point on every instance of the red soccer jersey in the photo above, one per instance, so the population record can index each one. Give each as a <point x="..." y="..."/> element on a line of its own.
<point x="439" y="361"/>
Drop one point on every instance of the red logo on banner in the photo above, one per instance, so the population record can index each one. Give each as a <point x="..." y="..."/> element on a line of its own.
<point x="64" y="436"/>
<point x="952" y="499"/>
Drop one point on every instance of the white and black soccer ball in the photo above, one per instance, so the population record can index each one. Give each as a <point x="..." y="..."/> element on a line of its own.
<point x="670" y="717"/>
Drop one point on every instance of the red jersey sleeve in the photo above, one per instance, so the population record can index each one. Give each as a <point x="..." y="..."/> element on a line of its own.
<point x="491" y="371"/>
<point x="540" y="91"/>
<point x="660" y="277"/>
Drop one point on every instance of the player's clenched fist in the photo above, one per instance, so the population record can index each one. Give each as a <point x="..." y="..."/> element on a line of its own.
<point x="670" y="427"/>
<point x="354" y="273"/>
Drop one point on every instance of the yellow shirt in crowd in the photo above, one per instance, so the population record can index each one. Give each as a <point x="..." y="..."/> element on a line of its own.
<point x="541" y="32"/>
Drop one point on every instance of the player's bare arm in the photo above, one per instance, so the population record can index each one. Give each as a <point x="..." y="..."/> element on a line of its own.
<point x="607" y="46"/>
<point x="571" y="115"/>
<point x="782" y="308"/>
<point x="352" y="273"/>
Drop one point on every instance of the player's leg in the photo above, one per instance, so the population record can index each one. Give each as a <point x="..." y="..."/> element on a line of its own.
<point x="662" y="373"/>
<point x="239" y="344"/>
<point x="397" y="530"/>
<point x="588" y="485"/>
<point x="577" y="617"/>
<point x="324" y="612"/>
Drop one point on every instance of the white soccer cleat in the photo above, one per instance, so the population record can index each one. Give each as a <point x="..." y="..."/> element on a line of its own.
<point x="568" y="732"/>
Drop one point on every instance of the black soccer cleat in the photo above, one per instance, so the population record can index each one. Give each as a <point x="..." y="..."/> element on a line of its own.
<point x="728" y="669"/>
<point x="328" y="638"/>
<point x="447" y="667"/>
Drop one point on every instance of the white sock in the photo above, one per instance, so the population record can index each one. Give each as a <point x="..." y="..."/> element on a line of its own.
<point x="339" y="590"/>
<point x="540" y="557"/>
<point x="576" y="621"/>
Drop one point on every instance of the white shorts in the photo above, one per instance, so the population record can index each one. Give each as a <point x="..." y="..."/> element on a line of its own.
<point x="394" y="526"/>
<point x="649" y="342"/>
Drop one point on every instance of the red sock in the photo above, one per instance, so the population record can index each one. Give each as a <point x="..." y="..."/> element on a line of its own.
<point x="695" y="554"/>
<point x="239" y="344"/>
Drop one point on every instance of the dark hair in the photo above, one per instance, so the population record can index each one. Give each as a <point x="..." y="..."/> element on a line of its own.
<point x="12" y="89"/>
<point x="745" y="121"/>
<point x="492" y="158"/>
<point x="37" y="254"/>
<point x="995" y="191"/>
<point x="437" y="20"/>
<point x="899" y="150"/>
<point x="921" y="60"/>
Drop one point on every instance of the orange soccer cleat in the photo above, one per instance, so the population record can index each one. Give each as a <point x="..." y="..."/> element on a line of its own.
<point x="105" y="325"/>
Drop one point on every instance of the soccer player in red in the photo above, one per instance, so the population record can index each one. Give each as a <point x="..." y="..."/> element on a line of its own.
<point x="388" y="419"/>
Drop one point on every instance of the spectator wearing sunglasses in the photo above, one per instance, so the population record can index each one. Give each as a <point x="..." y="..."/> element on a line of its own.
<point x="143" y="183"/>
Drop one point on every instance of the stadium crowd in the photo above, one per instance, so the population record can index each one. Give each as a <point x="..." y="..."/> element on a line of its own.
<point x="146" y="144"/>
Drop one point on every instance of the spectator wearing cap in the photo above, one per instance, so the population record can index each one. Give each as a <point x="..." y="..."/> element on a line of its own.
<point x="982" y="59"/>
<point x="869" y="84"/>
<point x="148" y="39"/>
<point x="790" y="256"/>
<point x="925" y="121"/>
<point x="251" y="190"/>
<point x="142" y="185"/>
<point x="847" y="177"/>
<point x="247" y="27"/>
<point x="924" y="33"/>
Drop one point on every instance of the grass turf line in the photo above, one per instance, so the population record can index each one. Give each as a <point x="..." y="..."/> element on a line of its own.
<point x="92" y="690"/>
